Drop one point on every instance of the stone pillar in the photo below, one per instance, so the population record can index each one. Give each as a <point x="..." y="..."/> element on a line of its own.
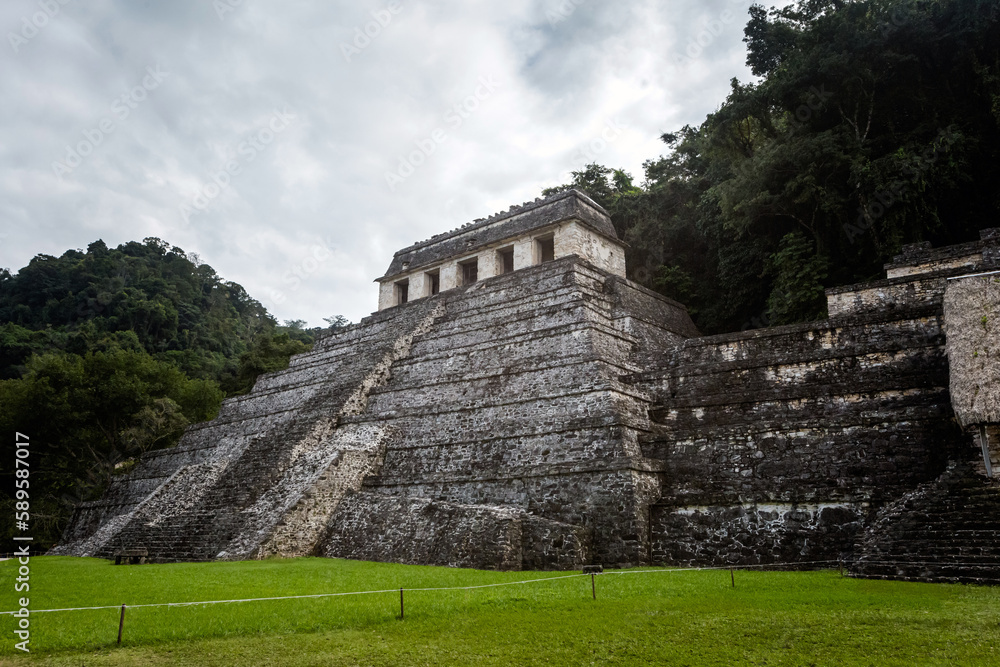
<point x="564" y="241"/>
<point x="524" y="253"/>
<point x="419" y="286"/>
<point x="972" y="325"/>
<point x="386" y="295"/>
<point x="449" y="276"/>
<point x="488" y="264"/>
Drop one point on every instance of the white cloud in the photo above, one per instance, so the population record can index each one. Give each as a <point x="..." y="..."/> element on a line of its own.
<point x="321" y="183"/>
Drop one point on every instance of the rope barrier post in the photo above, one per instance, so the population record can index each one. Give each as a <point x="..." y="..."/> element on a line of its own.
<point x="593" y="571"/>
<point x="841" y="568"/>
<point x="732" y="576"/>
<point x="401" y="604"/>
<point x="121" y="625"/>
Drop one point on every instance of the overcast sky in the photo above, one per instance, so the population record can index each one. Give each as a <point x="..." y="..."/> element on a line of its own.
<point x="294" y="145"/>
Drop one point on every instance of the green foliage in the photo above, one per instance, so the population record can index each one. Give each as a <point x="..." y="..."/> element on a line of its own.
<point x="180" y="310"/>
<point x="675" y="282"/>
<point x="106" y="354"/>
<point x="797" y="294"/>
<point x="86" y="414"/>
<point x="874" y="124"/>
<point x="17" y="344"/>
<point x="336" y="323"/>
<point x="268" y="354"/>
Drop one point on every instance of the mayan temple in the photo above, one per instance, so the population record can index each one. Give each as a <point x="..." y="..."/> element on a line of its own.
<point x="517" y="402"/>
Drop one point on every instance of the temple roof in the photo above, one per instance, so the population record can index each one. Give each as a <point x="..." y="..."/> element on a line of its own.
<point x="517" y="221"/>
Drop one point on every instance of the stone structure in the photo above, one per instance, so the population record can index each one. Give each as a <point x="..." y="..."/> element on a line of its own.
<point x="565" y="224"/>
<point x="972" y="311"/>
<point x="517" y="403"/>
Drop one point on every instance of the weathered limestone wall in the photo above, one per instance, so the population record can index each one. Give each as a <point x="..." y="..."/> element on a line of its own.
<point x="515" y="402"/>
<point x="574" y="223"/>
<point x="222" y="490"/>
<point x="493" y="413"/>
<point x="916" y="278"/>
<point x="947" y="530"/>
<point x="797" y="443"/>
<point x="569" y="237"/>
<point x="573" y="238"/>
<point x="778" y="442"/>
<point x="752" y="533"/>
<point x="921" y="258"/>
<point x="438" y="533"/>
<point x="885" y="297"/>
<point x="519" y="222"/>
<point x="972" y="318"/>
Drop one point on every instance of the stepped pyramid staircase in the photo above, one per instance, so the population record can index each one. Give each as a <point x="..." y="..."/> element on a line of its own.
<point x="222" y="491"/>
<point x="943" y="531"/>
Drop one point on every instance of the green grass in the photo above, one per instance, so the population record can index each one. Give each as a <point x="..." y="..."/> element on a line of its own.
<point x="682" y="618"/>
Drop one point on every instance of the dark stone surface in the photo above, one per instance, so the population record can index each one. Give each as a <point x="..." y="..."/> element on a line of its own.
<point x="783" y="445"/>
<point x="945" y="531"/>
<point x="753" y="534"/>
<point x="438" y="533"/>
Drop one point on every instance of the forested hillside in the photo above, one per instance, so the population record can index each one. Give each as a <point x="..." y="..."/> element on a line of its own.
<point x="871" y="124"/>
<point x="108" y="353"/>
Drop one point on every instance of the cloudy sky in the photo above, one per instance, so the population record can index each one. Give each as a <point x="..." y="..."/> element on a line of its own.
<point x="294" y="145"/>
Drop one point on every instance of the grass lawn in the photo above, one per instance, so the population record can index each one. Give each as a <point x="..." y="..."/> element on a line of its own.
<point x="682" y="618"/>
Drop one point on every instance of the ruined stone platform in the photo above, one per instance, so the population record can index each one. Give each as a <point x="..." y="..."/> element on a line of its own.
<point x="484" y="427"/>
<point x="516" y="403"/>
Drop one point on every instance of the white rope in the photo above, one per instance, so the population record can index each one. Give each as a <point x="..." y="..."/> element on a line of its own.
<point x="503" y="583"/>
<point x="460" y="588"/>
<point x="719" y="567"/>
<point x="297" y="597"/>
<point x="974" y="275"/>
<point x="920" y="562"/>
<point x="188" y="604"/>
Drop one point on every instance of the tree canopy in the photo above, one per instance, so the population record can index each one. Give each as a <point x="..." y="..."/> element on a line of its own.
<point x="109" y="353"/>
<point x="871" y="124"/>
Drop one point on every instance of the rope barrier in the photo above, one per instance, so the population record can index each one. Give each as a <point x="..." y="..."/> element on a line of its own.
<point x="503" y="583"/>
<point x="722" y="567"/>
<point x="297" y="597"/>
<point x="494" y="585"/>
<point x="189" y="604"/>
<point x="922" y="562"/>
